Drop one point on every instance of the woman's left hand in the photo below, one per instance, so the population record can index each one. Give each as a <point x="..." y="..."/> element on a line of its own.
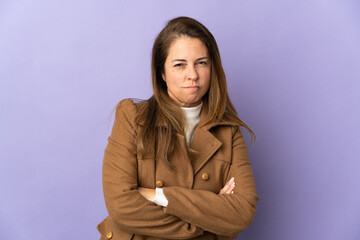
<point x="147" y="193"/>
<point x="229" y="187"/>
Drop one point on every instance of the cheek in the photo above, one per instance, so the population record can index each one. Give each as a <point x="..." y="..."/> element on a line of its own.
<point x="173" y="79"/>
<point x="206" y="80"/>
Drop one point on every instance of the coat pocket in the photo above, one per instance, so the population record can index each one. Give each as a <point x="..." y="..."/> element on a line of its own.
<point x="108" y="229"/>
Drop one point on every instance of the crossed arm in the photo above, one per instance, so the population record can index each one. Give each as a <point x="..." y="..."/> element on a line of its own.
<point x="149" y="193"/>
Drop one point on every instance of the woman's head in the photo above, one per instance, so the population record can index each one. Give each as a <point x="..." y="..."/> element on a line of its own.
<point x="187" y="71"/>
<point x="187" y="39"/>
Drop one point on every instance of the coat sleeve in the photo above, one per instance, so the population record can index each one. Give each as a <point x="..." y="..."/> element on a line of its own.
<point x="226" y="214"/>
<point x="125" y="205"/>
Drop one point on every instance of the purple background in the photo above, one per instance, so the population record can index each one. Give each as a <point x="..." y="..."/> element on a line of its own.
<point x="293" y="70"/>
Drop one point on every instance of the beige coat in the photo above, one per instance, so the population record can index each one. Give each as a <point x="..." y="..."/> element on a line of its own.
<point x="195" y="209"/>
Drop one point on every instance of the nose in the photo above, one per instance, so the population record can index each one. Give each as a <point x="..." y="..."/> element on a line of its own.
<point x="192" y="73"/>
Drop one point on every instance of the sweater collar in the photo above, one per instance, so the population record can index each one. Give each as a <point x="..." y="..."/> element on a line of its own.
<point x="192" y="113"/>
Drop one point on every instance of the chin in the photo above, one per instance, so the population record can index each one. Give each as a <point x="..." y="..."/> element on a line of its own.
<point x="191" y="103"/>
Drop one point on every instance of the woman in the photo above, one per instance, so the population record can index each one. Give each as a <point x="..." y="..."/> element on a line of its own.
<point x="176" y="165"/>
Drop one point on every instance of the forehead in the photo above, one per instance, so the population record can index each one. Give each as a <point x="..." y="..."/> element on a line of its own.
<point x="186" y="47"/>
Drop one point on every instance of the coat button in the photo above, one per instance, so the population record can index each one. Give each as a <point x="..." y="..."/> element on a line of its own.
<point x="205" y="176"/>
<point x="109" y="235"/>
<point x="159" y="184"/>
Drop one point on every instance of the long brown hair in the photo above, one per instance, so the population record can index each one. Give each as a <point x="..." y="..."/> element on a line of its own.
<point x="161" y="106"/>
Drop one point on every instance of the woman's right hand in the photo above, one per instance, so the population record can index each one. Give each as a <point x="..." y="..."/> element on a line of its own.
<point x="229" y="187"/>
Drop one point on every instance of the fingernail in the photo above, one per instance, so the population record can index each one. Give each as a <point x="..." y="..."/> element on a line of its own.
<point x="232" y="179"/>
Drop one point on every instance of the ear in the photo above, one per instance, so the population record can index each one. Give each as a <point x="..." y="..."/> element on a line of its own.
<point x="163" y="77"/>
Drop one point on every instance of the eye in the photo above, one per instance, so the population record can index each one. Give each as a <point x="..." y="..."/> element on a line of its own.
<point x="179" y="65"/>
<point x="202" y="63"/>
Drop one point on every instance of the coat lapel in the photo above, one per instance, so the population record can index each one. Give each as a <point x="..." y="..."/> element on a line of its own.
<point x="203" y="146"/>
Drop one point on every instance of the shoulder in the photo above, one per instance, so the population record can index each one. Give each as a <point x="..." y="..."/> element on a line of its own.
<point x="126" y="103"/>
<point x="130" y="109"/>
<point x="126" y="109"/>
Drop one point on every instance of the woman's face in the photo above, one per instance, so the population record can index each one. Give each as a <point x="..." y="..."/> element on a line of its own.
<point x="187" y="71"/>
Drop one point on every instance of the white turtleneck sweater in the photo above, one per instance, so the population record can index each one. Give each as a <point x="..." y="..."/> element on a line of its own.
<point x="192" y="120"/>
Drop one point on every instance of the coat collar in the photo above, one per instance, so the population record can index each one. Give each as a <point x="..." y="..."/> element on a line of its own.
<point x="204" y="144"/>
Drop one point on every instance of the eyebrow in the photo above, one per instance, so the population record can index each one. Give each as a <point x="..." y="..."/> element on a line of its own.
<point x="184" y="60"/>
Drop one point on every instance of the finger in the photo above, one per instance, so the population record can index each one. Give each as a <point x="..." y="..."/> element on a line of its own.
<point x="231" y="189"/>
<point x="223" y="190"/>
<point x="230" y="181"/>
<point x="228" y="187"/>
